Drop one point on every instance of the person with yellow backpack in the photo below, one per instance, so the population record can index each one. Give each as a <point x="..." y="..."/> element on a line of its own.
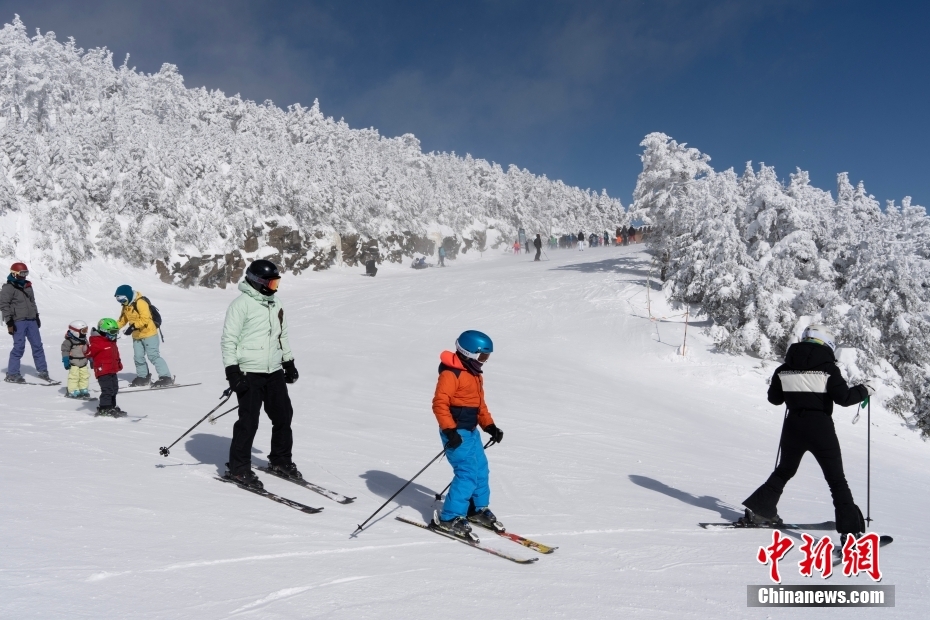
<point x="143" y="320"/>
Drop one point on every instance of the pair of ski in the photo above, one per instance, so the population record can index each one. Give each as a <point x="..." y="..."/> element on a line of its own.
<point x="144" y="389"/>
<point x="883" y="540"/>
<point x="336" y="497"/>
<point x="520" y="540"/>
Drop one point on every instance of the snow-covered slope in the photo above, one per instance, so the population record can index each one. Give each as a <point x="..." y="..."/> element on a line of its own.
<point x="615" y="447"/>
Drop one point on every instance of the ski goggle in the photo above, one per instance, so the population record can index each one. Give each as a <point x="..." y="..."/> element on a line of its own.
<point x="122" y="299"/>
<point x="82" y="331"/>
<point x="20" y="274"/>
<point x="483" y="357"/>
<point x="271" y="285"/>
<point x="112" y="334"/>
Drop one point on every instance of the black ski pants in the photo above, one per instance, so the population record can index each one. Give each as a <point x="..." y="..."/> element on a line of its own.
<point x="109" y="386"/>
<point x="809" y="431"/>
<point x="538" y="252"/>
<point x="267" y="389"/>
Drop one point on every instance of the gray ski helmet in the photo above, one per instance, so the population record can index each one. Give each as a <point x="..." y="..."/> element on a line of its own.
<point x="819" y="334"/>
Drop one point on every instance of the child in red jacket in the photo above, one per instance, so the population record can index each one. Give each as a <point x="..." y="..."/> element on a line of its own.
<point x="104" y="356"/>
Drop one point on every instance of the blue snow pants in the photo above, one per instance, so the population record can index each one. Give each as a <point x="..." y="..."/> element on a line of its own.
<point x="26" y="329"/>
<point x="149" y="347"/>
<point x="470" y="466"/>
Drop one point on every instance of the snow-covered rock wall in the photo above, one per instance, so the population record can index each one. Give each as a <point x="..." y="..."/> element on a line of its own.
<point x="104" y="160"/>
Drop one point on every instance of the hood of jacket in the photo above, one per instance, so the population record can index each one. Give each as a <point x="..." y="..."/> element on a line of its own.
<point x="808" y="355"/>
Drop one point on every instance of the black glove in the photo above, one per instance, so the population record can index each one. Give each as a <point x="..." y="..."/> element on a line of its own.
<point x="453" y="439"/>
<point x="38" y="321"/>
<point x="131" y="329"/>
<point x="496" y="434"/>
<point x="290" y="372"/>
<point x="11" y="327"/>
<point x="237" y="379"/>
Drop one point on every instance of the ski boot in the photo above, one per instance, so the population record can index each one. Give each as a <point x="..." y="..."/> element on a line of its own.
<point x="163" y="382"/>
<point x="44" y="376"/>
<point x="485" y="518"/>
<point x="246" y="478"/>
<point x="14" y="378"/>
<point x="751" y="519"/>
<point x="141" y="381"/>
<point x="288" y="471"/>
<point x="75" y="394"/>
<point x="111" y="412"/>
<point x="458" y="527"/>
<point x="85" y="393"/>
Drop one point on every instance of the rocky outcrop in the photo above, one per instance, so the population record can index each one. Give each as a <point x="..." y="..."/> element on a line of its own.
<point x="295" y="252"/>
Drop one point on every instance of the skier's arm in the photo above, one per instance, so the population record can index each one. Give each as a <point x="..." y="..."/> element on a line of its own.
<point x="484" y="416"/>
<point x="122" y="320"/>
<point x="442" y="399"/>
<point x="66" y="348"/>
<point x="286" y="354"/>
<point x="144" y="314"/>
<point x="6" y="303"/>
<point x="776" y="395"/>
<point x="232" y="330"/>
<point x="841" y="393"/>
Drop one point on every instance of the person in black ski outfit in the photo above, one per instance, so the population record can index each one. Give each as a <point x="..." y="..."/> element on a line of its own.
<point x="809" y="383"/>
<point x="537" y="243"/>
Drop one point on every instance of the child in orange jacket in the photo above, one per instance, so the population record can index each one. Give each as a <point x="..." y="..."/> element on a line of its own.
<point x="460" y="409"/>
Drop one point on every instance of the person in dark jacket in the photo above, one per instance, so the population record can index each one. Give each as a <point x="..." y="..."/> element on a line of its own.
<point x="537" y="243"/>
<point x="21" y="315"/>
<point x="809" y="383"/>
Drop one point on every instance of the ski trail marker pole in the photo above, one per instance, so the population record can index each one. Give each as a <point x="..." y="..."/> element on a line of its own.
<point x="228" y="393"/>
<point x="439" y="495"/>
<point x="435" y="458"/>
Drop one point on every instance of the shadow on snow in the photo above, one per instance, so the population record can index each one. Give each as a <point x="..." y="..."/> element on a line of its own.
<point x="704" y="501"/>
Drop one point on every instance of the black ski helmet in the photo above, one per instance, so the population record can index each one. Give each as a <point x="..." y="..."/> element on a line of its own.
<point x="263" y="276"/>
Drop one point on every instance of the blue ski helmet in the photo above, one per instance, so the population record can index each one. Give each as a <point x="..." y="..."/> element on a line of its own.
<point x="474" y="345"/>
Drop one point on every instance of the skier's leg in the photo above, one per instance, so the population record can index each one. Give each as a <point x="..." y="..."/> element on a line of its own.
<point x="152" y="348"/>
<point x="764" y="500"/>
<point x="826" y="449"/>
<point x="250" y="406"/>
<point x="35" y="341"/>
<point x="281" y="412"/>
<point x="109" y="384"/>
<point x="74" y="379"/>
<point x="463" y="486"/>
<point x="19" y="347"/>
<point x="84" y="377"/>
<point x="481" y="497"/>
<point x="138" y="357"/>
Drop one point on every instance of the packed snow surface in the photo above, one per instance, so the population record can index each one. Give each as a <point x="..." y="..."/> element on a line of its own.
<point x="615" y="447"/>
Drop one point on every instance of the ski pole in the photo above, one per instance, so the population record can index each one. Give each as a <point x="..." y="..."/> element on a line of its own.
<point x="215" y="418"/>
<point x="439" y="495"/>
<point x="435" y="458"/>
<point x="228" y="393"/>
<point x="868" y="461"/>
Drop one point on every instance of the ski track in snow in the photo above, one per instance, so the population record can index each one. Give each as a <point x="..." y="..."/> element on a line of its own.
<point x="615" y="448"/>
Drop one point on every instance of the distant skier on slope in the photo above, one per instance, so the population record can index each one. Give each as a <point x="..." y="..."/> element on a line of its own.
<point x="459" y="407"/>
<point x="809" y="383"/>
<point x="21" y="315"/>
<point x="259" y="365"/>
<point x="537" y="243"/>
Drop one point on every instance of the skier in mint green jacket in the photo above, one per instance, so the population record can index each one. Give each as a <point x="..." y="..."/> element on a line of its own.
<point x="259" y="365"/>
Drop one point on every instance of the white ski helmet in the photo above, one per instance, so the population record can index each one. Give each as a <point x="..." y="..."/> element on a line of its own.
<point x="819" y="334"/>
<point x="78" y="329"/>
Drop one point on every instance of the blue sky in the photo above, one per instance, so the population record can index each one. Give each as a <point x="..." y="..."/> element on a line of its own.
<point x="564" y="88"/>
